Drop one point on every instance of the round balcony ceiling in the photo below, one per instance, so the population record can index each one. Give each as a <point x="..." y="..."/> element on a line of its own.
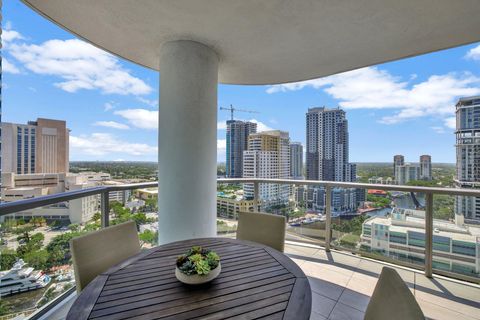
<point x="271" y="41"/>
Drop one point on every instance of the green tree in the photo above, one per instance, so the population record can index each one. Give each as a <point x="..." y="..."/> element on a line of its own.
<point x="32" y="243"/>
<point x="9" y="225"/>
<point x="4" y="308"/>
<point x="97" y="216"/>
<point x="7" y="259"/>
<point x="59" y="248"/>
<point x="92" y="227"/>
<point x="74" y="227"/>
<point x="37" y="259"/>
<point x="148" y="236"/>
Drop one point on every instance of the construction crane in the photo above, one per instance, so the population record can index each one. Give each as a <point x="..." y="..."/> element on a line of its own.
<point x="232" y="109"/>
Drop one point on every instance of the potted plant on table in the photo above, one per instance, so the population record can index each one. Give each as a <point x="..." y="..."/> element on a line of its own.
<point x="197" y="266"/>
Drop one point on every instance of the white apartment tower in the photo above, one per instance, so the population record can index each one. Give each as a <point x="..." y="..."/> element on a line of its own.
<point x="296" y="160"/>
<point x="268" y="156"/>
<point x="425" y="167"/>
<point x="398" y="160"/>
<point x="406" y="173"/>
<point x="468" y="157"/>
<point x="37" y="147"/>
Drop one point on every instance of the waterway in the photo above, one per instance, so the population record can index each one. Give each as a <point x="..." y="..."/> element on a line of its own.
<point x="404" y="201"/>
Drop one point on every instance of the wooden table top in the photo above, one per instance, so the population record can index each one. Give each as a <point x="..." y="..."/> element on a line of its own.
<point x="255" y="282"/>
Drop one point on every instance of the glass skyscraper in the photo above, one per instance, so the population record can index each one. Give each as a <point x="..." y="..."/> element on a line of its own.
<point x="237" y="142"/>
<point x="468" y="157"/>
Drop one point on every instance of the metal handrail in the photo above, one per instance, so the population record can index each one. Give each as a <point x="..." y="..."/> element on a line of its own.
<point x="25" y="204"/>
<point x="103" y="191"/>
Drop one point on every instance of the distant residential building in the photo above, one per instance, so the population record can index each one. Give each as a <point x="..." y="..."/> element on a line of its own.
<point x="468" y="157"/>
<point x="406" y="173"/>
<point x="327" y="145"/>
<point x="40" y="146"/>
<point x="237" y="142"/>
<point x="402" y="236"/>
<point x="327" y="153"/>
<point x="380" y="180"/>
<point x="398" y="160"/>
<point x="296" y="160"/>
<point x="147" y="193"/>
<point x="425" y="167"/>
<point x="27" y="186"/>
<point x="229" y="206"/>
<point x="268" y="156"/>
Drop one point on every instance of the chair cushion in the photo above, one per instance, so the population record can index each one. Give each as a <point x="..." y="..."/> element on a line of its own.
<point x="96" y="252"/>
<point x="392" y="299"/>
<point x="264" y="228"/>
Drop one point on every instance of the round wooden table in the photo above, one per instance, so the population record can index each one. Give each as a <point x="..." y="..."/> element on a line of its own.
<point x="256" y="282"/>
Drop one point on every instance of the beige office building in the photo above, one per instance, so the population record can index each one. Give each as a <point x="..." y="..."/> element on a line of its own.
<point x="38" y="147"/>
<point x="268" y="156"/>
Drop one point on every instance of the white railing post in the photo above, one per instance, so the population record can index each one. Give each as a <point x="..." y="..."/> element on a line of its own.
<point x="328" y="217"/>
<point x="256" y="195"/>
<point x="105" y="209"/>
<point x="428" y="234"/>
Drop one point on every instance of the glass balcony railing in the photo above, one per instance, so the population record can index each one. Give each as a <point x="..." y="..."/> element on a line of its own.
<point x="410" y="226"/>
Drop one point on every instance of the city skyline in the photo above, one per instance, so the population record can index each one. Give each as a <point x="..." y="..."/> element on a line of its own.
<point x="111" y="105"/>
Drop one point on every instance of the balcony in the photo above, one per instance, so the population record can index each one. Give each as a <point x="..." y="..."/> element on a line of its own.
<point x="342" y="277"/>
<point x="197" y="44"/>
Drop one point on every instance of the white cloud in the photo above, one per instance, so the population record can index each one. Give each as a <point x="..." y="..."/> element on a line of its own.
<point x="451" y="122"/>
<point x="222" y="125"/>
<point x="438" y="129"/>
<point x="151" y="103"/>
<point x="80" y="66"/>
<point x="100" y="144"/>
<point x="473" y="53"/>
<point x="9" y="36"/>
<point x="112" y="124"/>
<point x="372" y="88"/>
<point x="140" y="118"/>
<point x="8" y="67"/>
<point x="221" y="148"/>
<point x="108" y="106"/>
<point x="260" y="125"/>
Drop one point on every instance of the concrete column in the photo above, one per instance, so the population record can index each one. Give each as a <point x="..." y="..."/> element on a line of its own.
<point x="187" y="141"/>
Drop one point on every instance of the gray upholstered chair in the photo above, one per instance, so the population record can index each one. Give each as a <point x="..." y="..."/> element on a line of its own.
<point x="392" y="299"/>
<point x="96" y="252"/>
<point x="264" y="228"/>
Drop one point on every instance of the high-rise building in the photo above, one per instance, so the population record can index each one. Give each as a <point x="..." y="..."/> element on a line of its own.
<point x="296" y="160"/>
<point x="1" y="71"/>
<point x="468" y="157"/>
<point x="237" y="142"/>
<point x="398" y="160"/>
<point x="406" y="173"/>
<point x="268" y="156"/>
<point x="328" y="158"/>
<point x="37" y="147"/>
<point x="425" y="167"/>
<point x="327" y="145"/>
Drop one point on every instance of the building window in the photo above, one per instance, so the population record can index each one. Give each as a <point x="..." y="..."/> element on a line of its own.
<point x="463" y="248"/>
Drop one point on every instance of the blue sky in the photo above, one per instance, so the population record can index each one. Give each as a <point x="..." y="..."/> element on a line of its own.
<point x="403" y="107"/>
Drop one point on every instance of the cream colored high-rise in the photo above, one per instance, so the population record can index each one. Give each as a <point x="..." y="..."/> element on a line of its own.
<point x="40" y="146"/>
<point x="268" y="156"/>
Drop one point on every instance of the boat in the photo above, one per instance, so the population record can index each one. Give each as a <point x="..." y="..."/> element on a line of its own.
<point x="21" y="279"/>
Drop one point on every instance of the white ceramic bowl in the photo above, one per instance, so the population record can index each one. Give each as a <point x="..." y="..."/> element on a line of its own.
<point x="196" y="278"/>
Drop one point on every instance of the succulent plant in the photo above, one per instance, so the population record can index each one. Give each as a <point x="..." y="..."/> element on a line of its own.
<point x="198" y="260"/>
<point x="202" y="267"/>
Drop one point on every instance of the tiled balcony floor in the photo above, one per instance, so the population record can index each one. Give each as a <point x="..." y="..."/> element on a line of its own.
<point x="342" y="285"/>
